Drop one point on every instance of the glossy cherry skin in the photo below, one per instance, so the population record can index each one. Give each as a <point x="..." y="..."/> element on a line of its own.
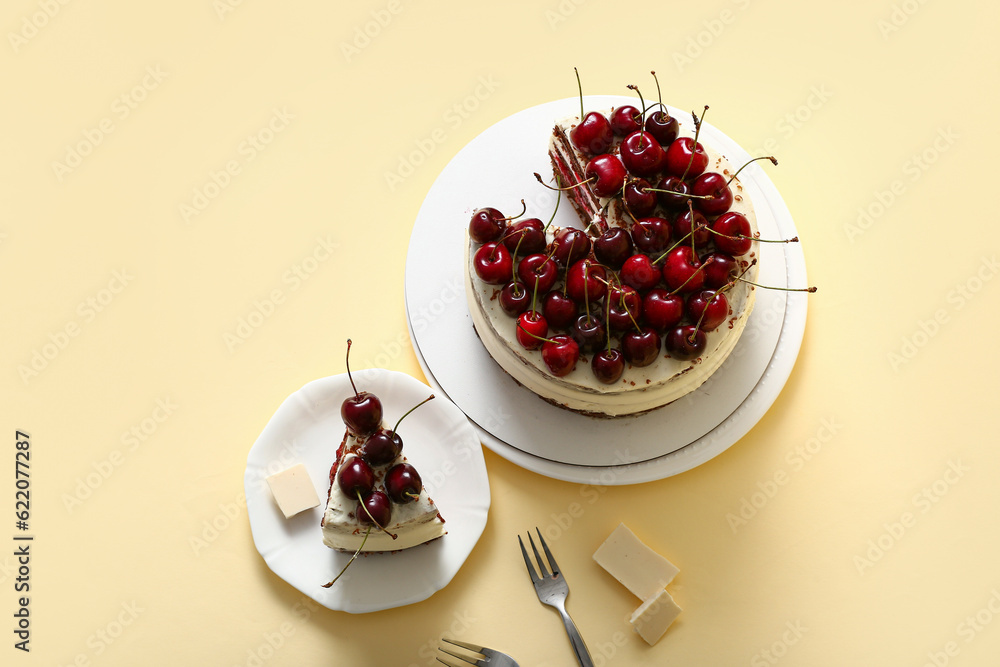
<point x="638" y="272"/>
<point x="641" y="347"/>
<point x="638" y="198"/>
<point x="712" y="184"/>
<point x="540" y="269"/>
<point x="362" y="413"/>
<point x="381" y="447"/>
<point x="586" y="281"/>
<point x="682" y="270"/>
<point x="403" y="483"/>
<point x="625" y="120"/>
<point x="651" y="235"/>
<point x="560" y="355"/>
<point x="589" y="332"/>
<point x="662" y="126"/>
<point x="708" y="307"/>
<point x="719" y="269"/>
<point x="699" y="230"/>
<point x="528" y="233"/>
<point x="378" y="506"/>
<point x="531" y="330"/>
<point x="730" y="229"/>
<point x="514" y="298"/>
<point x="608" y="365"/>
<point x="669" y="200"/>
<point x="613" y="247"/>
<point x="570" y="244"/>
<point x="559" y="310"/>
<point x="356" y="477"/>
<point x="493" y="263"/>
<point x="662" y="310"/>
<point x="685" y="343"/>
<point x="607" y="175"/>
<point x="679" y="155"/>
<point x="624" y="308"/>
<point x="487" y="224"/>
<point x="642" y="154"/>
<point x="593" y="135"/>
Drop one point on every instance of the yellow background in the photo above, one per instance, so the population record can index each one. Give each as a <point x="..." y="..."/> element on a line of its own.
<point x="882" y="107"/>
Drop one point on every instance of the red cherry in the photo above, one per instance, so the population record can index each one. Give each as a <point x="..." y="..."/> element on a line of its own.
<point x="708" y="307"/>
<point x="669" y="185"/>
<point x="540" y="269"/>
<point x="559" y="310"/>
<point x="531" y="330"/>
<point x="651" y="235"/>
<point x="607" y="175"/>
<point x="355" y="477"/>
<point x="514" y="298"/>
<point x="699" y="229"/>
<point x="593" y="136"/>
<point x="608" y="365"/>
<point x="570" y="245"/>
<point x="588" y="331"/>
<point x="642" y="154"/>
<point x="719" y="268"/>
<point x="560" y="355"/>
<point x="625" y="120"/>
<point x="383" y="446"/>
<point x="682" y="270"/>
<point x="362" y="413"/>
<point x="403" y="483"/>
<point x="679" y="156"/>
<point x="712" y="184"/>
<point x="641" y="347"/>
<point x="662" y="310"/>
<point x="638" y="272"/>
<point x="640" y="200"/>
<point x="662" y="126"/>
<point x="487" y="224"/>
<point x="730" y="227"/>
<point x="493" y="263"/>
<point x="613" y="247"/>
<point x="378" y="506"/>
<point x="624" y="308"/>
<point x="685" y="343"/>
<point x="586" y="281"/>
<point x="528" y="233"/>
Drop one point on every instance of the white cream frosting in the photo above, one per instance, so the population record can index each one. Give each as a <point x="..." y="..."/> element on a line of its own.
<point x="640" y="389"/>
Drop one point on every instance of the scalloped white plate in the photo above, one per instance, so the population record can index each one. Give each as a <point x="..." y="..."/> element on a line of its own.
<point x="437" y="439"/>
<point x="495" y="169"/>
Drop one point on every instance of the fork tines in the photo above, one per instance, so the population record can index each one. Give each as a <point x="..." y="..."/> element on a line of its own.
<point x="477" y="660"/>
<point x="541" y="563"/>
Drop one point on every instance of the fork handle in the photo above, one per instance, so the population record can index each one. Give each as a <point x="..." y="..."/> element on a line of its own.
<point x="579" y="647"/>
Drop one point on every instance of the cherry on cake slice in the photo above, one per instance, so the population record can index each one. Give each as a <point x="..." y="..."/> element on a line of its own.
<point x="396" y="489"/>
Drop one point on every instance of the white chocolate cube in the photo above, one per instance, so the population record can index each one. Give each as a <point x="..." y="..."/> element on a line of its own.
<point x="654" y="616"/>
<point x="293" y="490"/>
<point x="639" y="568"/>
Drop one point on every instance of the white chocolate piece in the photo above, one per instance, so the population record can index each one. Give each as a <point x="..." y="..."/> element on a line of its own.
<point x="293" y="490"/>
<point x="654" y="616"/>
<point x="639" y="568"/>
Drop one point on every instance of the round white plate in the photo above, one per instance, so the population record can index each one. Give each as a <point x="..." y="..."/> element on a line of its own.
<point x="496" y="169"/>
<point x="437" y="439"/>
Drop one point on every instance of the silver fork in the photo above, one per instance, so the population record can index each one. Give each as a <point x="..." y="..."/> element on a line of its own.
<point x="490" y="657"/>
<point x="552" y="590"/>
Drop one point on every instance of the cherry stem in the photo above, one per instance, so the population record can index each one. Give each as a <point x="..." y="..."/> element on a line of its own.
<point x="679" y="194"/>
<point x="547" y="340"/>
<point x="659" y="97"/>
<point x="642" y="103"/>
<point x="376" y="523"/>
<point x="773" y="160"/>
<point x="580" y="88"/>
<point x="524" y="209"/>
<point x="344" y="569"/>
<point x="671" y="248"/>
<point x="396" y="427"/>
<point x="794" y="239"/>
<point x="783" y="289"/>
<point x="356" y="394"/>
<point x="691" y="213"/>
<point x="586" y="291"/>
<point x="697" y="131"/>
<point x="411" y="494"/>
<point x="556" y="209"/>
<point x="534" y="294"/>
<point x="563" y="189"/>
<point x="607" y="317"/>
<point x="513" y="267"/>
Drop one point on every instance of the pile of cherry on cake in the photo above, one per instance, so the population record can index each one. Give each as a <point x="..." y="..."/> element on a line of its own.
<point x="624" y="290"/>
